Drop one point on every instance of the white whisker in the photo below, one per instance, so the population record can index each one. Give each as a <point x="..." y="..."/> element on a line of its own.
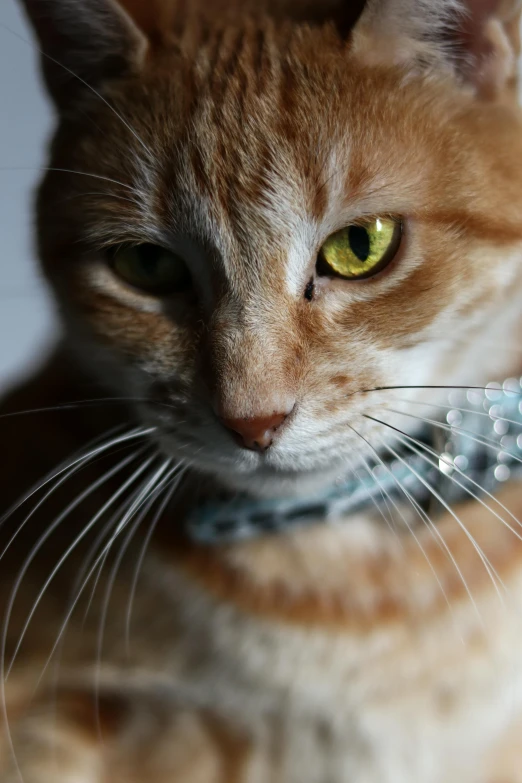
<point x="52" y="475"/>
<point x="145" y="547"/>
<point x="482" y="439"/>
<point x="76" y="466"/>
<point x="411" y="530"/>
<point x="130" y="509"/>
<point x="107" y="194"/>
<point x="104" y="535"/>
<point x="491" y="571"/>
<point x="38" y="546"/>
<point x="408" y="440"/>
<point x="456" y="408"/>
<point x="141" y="499"/>
<point x="390" y="521"/>
<point x="68" y="171"/>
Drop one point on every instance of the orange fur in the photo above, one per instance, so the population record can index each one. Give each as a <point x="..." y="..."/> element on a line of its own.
<point x="243" y="134"/>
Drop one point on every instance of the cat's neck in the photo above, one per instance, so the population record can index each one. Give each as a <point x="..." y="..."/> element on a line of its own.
<point x="356" y="575"/>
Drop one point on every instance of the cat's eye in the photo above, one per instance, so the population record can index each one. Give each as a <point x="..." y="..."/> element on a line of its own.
<point x="151" y="268"/>
<point x="360" y="250"/>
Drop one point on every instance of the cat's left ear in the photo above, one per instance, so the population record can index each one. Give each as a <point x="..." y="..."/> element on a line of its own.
<point x="487" y="38"/>
<point x="478" y="39"/>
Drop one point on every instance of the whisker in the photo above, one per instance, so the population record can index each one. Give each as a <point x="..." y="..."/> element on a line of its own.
<point x="78" y="404"/>
<point x="439" y="538"/>
<point x="385" y="497"/>
<point x="404" y="440"/>
<point x="401" y="388"/>
<point x="78" y="596"/>
<point x="54" y="474"/>
<point x="408" y="440"/>
<point x="104" y="535"/>
<point x="121" y="491"/>
<point x="77" y="465"/>
<point x="431" y="527"/>
<point x="482" y="439"/>
<point x="74" y="603"/>
<point x="43" y="169"/>
<point x="140" y="500"/>
<point x="38" y="546"/>
<point x="133" y="507"/>
<point x="134" y="526"/>
<point x="146" y="543"/>
<point x="3" y="675"/>
<point x="456" y="408"/>
<point x="484" y="559"/>
<point x="107" y="194"/>
<point x="89" y="527"/>
<point x="83" y="459"/>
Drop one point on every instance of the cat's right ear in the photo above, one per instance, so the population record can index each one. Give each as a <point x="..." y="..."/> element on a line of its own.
<point x="83" y="42"/>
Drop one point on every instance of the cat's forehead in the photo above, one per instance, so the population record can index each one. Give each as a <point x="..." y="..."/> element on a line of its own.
<point x="264" y="140"/>
<point x="267" y="166"/>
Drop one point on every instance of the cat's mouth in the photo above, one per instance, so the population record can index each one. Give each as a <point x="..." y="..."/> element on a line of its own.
<point x="481" y="447"/>
<point x="273" y="473"/>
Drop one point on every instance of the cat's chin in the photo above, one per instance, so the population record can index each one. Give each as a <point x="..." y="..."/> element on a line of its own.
<point x="267" y="482"/>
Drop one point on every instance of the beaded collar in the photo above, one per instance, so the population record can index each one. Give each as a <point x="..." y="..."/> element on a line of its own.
<point x="470" y="452"/>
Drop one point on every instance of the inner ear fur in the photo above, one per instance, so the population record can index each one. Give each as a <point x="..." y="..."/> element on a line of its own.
<point x="478" y="40"/>
<point x="488" y="33"/>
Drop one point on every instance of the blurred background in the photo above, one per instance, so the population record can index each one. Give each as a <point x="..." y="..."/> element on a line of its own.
<point x="26" y="316"/>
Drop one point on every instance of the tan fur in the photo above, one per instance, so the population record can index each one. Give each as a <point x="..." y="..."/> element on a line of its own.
<point x="243" y="134"/>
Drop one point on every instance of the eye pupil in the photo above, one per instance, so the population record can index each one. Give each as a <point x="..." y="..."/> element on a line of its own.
<point x="149" y="257"/>
<point x="360" y="244"/>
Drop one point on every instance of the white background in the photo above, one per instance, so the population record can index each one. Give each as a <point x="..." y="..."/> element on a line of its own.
<point x="26" y="320"/>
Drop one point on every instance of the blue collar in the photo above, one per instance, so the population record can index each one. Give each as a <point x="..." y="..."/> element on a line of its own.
<point x="471" y="451"/>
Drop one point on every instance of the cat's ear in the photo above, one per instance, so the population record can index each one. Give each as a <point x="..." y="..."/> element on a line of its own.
<point x="488" y="34"/>
<point x="84" y="42"/>
<point x="478" y="39"/>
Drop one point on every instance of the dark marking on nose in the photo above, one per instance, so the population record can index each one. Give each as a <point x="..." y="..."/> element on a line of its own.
<point x="256" y="433"/>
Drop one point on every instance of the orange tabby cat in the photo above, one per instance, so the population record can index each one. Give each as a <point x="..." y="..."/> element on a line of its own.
<point x="259" y="216"/>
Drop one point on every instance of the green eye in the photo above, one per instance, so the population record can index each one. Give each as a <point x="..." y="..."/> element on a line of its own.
<point x="152" y="269"/>
<point x="361" y="250"/>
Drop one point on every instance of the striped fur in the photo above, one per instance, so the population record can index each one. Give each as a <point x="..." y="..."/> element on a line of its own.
<point x="242" y="134"/>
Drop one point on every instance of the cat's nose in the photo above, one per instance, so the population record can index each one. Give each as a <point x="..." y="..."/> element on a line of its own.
<point x="256" y="433"/>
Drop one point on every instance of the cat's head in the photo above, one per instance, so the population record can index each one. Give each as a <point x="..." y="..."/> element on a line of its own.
<point x="258" y="211"/>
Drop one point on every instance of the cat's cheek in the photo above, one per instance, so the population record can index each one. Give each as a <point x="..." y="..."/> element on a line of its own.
<point x="138" y="336"/>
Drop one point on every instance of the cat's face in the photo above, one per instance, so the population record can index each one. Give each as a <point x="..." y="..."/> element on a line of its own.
<point x="240" y="150"/>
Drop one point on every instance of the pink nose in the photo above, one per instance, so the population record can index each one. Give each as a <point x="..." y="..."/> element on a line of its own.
<point x="257" y="433"/>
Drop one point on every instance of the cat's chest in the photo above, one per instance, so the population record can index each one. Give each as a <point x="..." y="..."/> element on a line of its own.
<point x="320" y="709"/>
<point x="327" y="710"/>
<point x="407" y="699"/>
